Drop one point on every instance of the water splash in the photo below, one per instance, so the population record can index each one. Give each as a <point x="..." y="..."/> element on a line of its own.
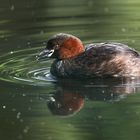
<point x="22" y="67"/>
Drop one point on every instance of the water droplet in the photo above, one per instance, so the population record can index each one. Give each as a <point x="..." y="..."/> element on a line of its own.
<point x="31" y="100"/>
<point x="42" y="123"/>
<point x="41" y="32"/>
<point x="133" y="78"/>
<point x="137" y="112"/>
<point x="6" y="39"/>
<point x="28" y="43"/>
<point x="112" y="95"/>
<point x="123" y="30"/>
<point x="100" y="117"/>
<point x="70" y="109"/>
<point x="2" y="36"/>
<point x="3" y="106"/>
<point x="69" y="125"/>
<point x="44" y="43"/>
<point x="18" y="115"/>
<point x="21" y="120"/>
<point x="23" y="94"/>
<point x="133" y="41"/>
<point x="26" y="129"/>
<point x="29" y="108"/>
<point x="13" y="109"/>
<point x="12" y="7"/>
<point x="11" y="52"/>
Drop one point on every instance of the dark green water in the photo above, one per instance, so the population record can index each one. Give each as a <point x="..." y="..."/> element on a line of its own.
<point x="33" y="105"/>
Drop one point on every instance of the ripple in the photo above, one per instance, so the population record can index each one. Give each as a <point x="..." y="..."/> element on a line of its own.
<point x="22" y="67"/>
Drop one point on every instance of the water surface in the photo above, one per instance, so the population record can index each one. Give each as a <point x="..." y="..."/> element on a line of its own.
<point x="36" y="106"/>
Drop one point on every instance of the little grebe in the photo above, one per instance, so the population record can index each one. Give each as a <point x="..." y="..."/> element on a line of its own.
<point x="95" y="60"/>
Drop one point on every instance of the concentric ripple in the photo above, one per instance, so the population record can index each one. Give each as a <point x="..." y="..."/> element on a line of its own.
<point x="22" y="67"/>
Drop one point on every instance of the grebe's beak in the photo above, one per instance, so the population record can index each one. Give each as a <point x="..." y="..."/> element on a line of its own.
<point x="45" y="54"/>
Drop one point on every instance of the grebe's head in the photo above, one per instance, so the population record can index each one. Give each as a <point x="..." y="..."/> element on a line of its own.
<point x="62" y="46"/>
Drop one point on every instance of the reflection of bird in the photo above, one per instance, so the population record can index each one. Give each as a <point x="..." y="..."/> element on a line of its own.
<point x="65" y="104"/>
<point x="70" y="94"/>
<point x="99" y="59"/>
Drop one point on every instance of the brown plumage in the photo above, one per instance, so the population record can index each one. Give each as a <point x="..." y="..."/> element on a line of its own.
<point x="99" y="59"/>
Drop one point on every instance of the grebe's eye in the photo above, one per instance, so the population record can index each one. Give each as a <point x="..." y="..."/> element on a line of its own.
<point x="56" y="47"/>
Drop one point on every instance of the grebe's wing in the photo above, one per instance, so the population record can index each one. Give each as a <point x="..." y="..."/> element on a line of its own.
<point x="111" y="48"/>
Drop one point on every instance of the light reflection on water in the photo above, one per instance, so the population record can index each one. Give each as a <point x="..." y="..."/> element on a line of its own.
<point x="22" y="67"/>
<point x="36" y="106"/>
